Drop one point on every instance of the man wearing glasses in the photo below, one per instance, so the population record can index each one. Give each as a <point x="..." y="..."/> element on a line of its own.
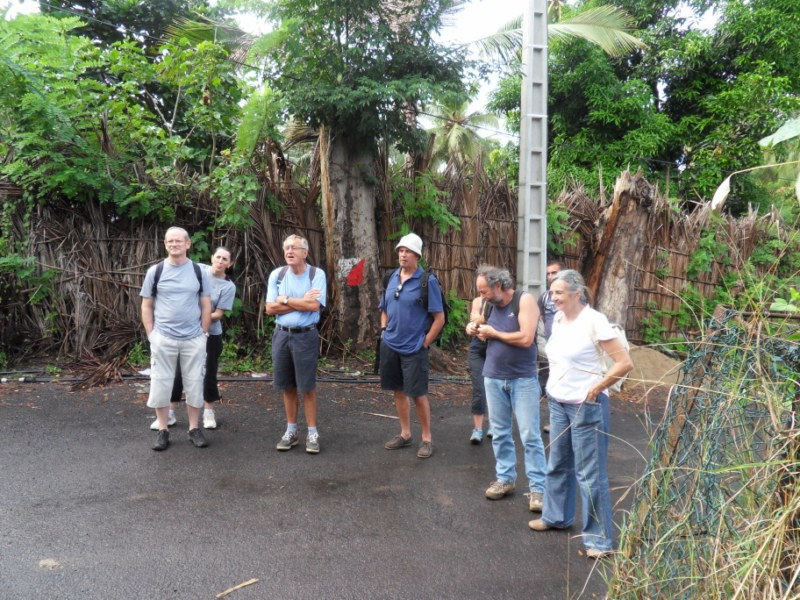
<point x="408" y="328"/>
<point x="295" y="294"/>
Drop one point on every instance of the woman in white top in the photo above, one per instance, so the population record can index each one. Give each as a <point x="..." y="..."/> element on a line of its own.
<point x="579" y="415"/>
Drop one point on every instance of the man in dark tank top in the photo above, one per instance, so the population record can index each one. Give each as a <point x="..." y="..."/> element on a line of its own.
<point x="512" y="388"/>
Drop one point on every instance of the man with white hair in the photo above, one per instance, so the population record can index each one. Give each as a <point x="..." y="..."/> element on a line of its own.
<point x="412" y="316"/>
<point x="176" y="314"/>
<point x="295" y="294"/>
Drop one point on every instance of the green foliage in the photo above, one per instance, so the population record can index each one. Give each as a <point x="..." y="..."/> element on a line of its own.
<point x="260" y="120"/>
<point x="559" y="233"/>
<point x="236" y="358"/>
<point x="351" y="65"/>
<point x="457" y="317"/>
<point x="3" y="360"/>
<point x="708" y="251"/>
<point x="139" y="355"/>
<point x="792" y="304"/>
<point x="419" y="198"/>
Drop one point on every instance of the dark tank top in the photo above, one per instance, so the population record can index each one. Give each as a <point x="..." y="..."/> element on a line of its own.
<point x="504" y="361"/>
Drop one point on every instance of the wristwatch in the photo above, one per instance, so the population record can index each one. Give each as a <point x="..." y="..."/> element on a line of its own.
<point x="286" y="300"/>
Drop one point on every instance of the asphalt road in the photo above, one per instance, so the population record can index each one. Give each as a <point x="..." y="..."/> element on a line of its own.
<point x="88" y="511"/>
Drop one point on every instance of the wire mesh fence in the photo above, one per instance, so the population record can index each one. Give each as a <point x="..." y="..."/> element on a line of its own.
<point x="717" y="512"/>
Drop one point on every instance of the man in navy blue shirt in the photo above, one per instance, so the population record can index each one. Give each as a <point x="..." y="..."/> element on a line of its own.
<point x="408" y="328"/>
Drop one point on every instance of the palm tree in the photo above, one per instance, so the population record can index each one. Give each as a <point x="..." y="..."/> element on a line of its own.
<point x="605" y="26"/>
<point x="454" y="135"/>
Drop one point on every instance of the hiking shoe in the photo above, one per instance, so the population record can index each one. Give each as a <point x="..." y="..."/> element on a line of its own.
<point x="425" y="450"/>
<point x="312" y="443"/>
<point x="288" y="441"/>
<point x="162" y="441"/>
<point x="396" y="442"/>
<point x="489" y="433"/>
<point x="197" y="438"/>
<point x="170" y="421"/>
<point x="546" y="429"/>
<point x="477" y="436"/>
<point x="209" y="419"/>
<point x="594" y="553"/>
<point x="498" y="489"/>
<point x="539" y="525"/>
<point x="535" y="501"/>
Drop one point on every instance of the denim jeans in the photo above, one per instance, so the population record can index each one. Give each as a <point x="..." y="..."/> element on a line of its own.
<point x="519" y="397"/>
<point x="579" y="455"/>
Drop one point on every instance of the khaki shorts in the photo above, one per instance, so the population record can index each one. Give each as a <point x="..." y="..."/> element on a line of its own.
<point x="164" y="354"/>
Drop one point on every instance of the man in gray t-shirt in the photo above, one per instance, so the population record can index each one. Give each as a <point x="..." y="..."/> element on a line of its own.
<point x="176" y="314"/>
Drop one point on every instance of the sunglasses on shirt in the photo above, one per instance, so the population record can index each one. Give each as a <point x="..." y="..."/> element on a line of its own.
<point x="397" y="291"/>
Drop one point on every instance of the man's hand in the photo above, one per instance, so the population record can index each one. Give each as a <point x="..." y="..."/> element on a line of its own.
<point x="486" y="332"/>
<point x="312" y="294"/>
<point x="472" y="328"/>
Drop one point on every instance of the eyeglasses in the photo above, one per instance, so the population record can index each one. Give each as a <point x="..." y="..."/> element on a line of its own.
<point x="397" y="291"/>
<point x="295" y="248"/>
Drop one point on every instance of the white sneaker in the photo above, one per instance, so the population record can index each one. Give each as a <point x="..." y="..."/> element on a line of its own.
<point x="209" y="421"/>
<point x="170" y="421"/>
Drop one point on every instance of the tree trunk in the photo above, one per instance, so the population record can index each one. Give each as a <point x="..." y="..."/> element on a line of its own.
<point x="347" y="172"/>
<point x="613" y="274"/>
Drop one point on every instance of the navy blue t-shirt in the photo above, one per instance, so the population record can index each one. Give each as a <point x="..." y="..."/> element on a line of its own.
<point x="407" y="320"/>
<point x="504" y="361"/>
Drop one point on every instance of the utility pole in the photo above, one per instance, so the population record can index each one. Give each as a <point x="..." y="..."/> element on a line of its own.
<point x="532" y="216"/>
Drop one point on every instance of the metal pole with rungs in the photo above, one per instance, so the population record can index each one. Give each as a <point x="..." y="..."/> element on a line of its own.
<point x="532" y="218"/>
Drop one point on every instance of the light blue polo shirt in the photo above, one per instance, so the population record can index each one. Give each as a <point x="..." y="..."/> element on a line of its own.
<point x="296" y="286"/>
<point x="408" y="319"/>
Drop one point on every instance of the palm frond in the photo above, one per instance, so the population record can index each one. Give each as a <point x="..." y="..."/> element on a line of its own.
<point x="504" y="44"/>
<point x="236" y="40"/>
<point x="605" y="26"/>
<point x="296" y="132"/>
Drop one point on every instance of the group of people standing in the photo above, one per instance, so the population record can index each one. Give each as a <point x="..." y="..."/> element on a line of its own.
<point x="182" y="304"/>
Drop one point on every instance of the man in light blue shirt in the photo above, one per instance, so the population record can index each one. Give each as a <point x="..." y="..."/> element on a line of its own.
<point x="295" y="295"/>
<point x="176" y="314"/>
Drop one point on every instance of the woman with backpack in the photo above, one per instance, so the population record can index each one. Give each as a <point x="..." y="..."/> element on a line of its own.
<point x="577" y="394"/>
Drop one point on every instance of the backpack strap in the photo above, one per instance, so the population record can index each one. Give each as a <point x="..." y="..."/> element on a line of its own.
<point x="540" y="302"/>
<point x="423" y="288"/>
<point x="156" y="277"/>
<point x="486" y="309"/>
<point x="160" y="269"/>
<point x="199" y="276"/>
<point x="515" y="299"/>
<point x="386" y="279"/>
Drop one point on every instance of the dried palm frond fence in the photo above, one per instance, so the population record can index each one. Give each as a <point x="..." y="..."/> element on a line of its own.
<point x="634" y="253"/>
<point x="717" y="513"/>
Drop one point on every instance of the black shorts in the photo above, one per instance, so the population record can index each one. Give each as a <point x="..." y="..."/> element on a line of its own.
<point x="406" y="372"/>
<point x="294" y="359"/>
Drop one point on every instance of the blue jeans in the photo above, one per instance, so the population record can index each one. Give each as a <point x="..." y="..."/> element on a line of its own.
<point x="579" y="455"/>
<point x="519" y="397"/>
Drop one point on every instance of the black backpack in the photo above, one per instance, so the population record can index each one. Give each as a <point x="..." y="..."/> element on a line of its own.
<point x="423" y="294"/>
<point x="160" y="269"/>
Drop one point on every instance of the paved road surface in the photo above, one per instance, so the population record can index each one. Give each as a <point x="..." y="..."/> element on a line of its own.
<point x="88" y="511"/>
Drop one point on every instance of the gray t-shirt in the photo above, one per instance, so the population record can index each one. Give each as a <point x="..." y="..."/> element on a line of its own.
<point x="177" y="303"/>
<point x="222" y="294"/>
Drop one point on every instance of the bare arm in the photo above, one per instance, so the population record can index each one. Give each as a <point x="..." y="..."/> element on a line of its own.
<point x="621" y="367"/>
<point x="148" y="319"/>
<point x="528" y="318"/>
<point x="475" y="317"/>
<point x="308" y="303"/>
<point x="205" y="313"/>
<point x="384" y="319"/>
<point x="217" y="314"/>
